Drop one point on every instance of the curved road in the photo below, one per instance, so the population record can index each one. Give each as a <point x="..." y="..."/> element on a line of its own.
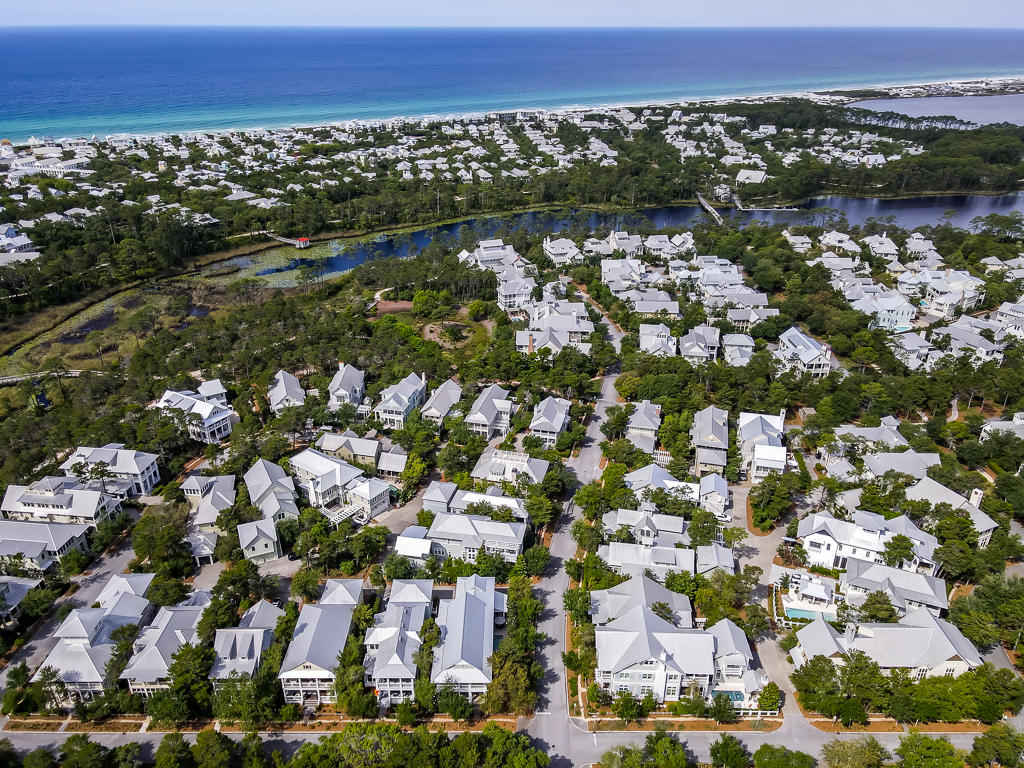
<point x="566" y="739"/>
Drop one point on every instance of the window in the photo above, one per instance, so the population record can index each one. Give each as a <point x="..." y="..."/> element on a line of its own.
<point x="648" y="676"/>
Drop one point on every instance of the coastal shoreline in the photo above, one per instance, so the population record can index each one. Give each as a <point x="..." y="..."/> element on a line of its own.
<point x="844" y="95"/>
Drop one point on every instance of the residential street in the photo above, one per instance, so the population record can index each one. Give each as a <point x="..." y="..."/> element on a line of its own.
<point x="90" y="584"/>
<point x="565" y="739"/>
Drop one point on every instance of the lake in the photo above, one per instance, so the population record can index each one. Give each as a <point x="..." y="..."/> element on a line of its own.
<point x="279" y="266"/>
<point x="1001" y="108"/>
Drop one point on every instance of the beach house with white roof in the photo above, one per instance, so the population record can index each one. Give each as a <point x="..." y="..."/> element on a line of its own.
<point x="641" y="653"/>
<point x="320" y="635"/>
<point x="709" y="434"/>
<point x="801" y="353"/>
<point x="832" y="543"/>
<point x="84" y="643"/>
<point x="399" y="400"/>
<point x="239" y="650"/>
<point x="550" y="419"/>
<point x="394" y="639"/>
<point x="40" y="546"/>
<point x="285" y="392"/>
<point x="259" y="541"/>
<point x="562" y="251"/>
<point x="615" y="602"/>
<point x="467" y="622"/>
<point x="441" y="401"/>
<point x="346" y="386"/>
<point x="920" y="644"/>
<point x="491" y="412"/>
<point x="906" y="590"/>
<point x="700" y="344"/>
<point x="657" y="339"/>
<point x="271" y="490"/>
<point x="206" y="421"/>
<point x="137" y="467"/>
<point x="497" y="466"/>
<point x="643" y="425"/>
<point x="761" y="449"/>
<point x="462" y="536"/>
<point x="147" y="670"/>
<point x="56" y="499"/>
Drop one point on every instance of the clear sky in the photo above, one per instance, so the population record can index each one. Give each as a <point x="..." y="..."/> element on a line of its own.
<point x="537" y="13"/>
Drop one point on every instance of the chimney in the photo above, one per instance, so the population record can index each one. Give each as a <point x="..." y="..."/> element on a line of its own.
<point x="976" y="496"/>
<point x="849" y="635"/>
<point x="530" y="345"/>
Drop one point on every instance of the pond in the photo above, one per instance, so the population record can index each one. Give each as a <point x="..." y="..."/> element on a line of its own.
<point x="281" y="266"/>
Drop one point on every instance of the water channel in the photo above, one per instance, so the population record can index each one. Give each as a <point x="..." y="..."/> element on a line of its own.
<point x="281" y="266"/>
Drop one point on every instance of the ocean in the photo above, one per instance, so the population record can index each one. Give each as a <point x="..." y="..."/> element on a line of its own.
<point x="85" y="81"/>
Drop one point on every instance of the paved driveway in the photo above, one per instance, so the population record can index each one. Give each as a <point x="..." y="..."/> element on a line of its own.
<point x="37" y="648"/>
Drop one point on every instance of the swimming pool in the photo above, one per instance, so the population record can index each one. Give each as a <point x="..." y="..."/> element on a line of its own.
<point x="803" y="613"/>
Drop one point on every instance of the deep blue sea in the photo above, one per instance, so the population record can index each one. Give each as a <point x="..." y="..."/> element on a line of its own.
<point x="84" y="81"/>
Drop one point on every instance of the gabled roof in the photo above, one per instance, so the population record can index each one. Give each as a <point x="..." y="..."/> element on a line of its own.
<point x="173" y="627"/>
<point x="115" y="455"/>
<point x="342" y="592"/>
<point x="467" y="632"/>
<point x="550" y="415"/>
<point x="730" y="639"/>
<point x="263" y="477"/>
<point x="901" y="586"/>
<point x="442" y="399"/>
<point x="285" y="387"/>
<point x="320" y="635"/>
<point x="51" y="536"/>
<point x="249" y="533"/>
<point x="485" y="408"/>
<point x="347" y="379"/>
<point x="398" y="396"/>
<point x="640" y="635"/>
<point x="617" y="601"/>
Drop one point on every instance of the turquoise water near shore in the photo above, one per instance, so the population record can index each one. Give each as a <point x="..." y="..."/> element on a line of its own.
<point x="85" y="81"/>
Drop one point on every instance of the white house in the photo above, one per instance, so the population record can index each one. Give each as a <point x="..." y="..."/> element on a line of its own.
<point x="643" y="425"/>
<point x="641" y="653"/>
<point x="113" y="459"/>
<point x="441" y="401"/>
<point x="40" y="546"/>
<point x="550" y="419"/>
<point x="462" y="536"/>
<point x="84" y="645"/>
<point x="321" y="632"/>
<point x="258" y="541"/>
<point x="346" y="387"/>
<point x="399" y="400"/>
<point x="153" y="651"/>
<point x="832" y="543"/>
<point x="491" y="412"/>
<point x="394" y="640"/>
<point x="207" y="421"/>
<point x="467" y="622"/>
<point x="657" y="339"/>
<point x="798" y="351"/>
<point x="285" y="392"/>
<point x="920" y="643"/>
<point x="60" y="500"/>
<point x="271" y="490"/>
